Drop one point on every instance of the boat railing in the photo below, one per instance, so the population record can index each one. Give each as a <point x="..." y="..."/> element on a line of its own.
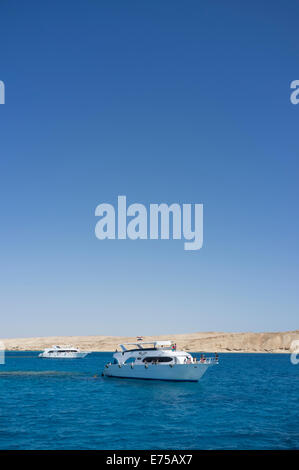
<point x="203" y="360"/>
<point x="206" y="360"/>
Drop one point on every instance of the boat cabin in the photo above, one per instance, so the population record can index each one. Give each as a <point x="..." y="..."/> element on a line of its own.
<point x="156" y="352"/>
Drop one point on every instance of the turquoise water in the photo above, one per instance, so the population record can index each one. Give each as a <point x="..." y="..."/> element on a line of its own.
<point x="248" y="401"/>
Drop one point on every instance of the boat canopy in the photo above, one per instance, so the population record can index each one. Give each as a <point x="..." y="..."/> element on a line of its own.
<point x="139" y="345"/>
<point x="162" y="343"/>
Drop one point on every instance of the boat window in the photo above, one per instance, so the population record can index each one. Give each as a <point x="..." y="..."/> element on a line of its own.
<point x="157" y="359"/>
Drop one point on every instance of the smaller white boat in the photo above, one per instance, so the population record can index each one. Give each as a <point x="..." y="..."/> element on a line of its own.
<point x="63" y="352"/>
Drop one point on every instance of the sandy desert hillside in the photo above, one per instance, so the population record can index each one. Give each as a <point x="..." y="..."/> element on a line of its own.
<point x="209" y="342"/>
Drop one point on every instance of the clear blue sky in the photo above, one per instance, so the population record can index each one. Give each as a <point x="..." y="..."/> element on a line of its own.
<point x="162" y="101"/>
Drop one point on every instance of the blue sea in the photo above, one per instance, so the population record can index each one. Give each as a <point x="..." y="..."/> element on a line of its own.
<point x="248" y="401"/>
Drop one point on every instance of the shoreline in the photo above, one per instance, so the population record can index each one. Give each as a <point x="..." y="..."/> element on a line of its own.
<point x="268" y="342"/>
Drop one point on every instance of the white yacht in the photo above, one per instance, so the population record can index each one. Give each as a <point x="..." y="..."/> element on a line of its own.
<point x="158" y="360"/>
<point x="63" y="352"/>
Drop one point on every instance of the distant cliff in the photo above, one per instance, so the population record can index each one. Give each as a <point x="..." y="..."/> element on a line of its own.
<point x="222" y="342"/>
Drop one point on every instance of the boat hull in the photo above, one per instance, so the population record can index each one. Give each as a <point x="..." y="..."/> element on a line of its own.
<point x="175" y="373"/>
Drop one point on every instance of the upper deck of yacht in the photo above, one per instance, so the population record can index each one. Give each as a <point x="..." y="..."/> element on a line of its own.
<point x="147" y="346"/>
